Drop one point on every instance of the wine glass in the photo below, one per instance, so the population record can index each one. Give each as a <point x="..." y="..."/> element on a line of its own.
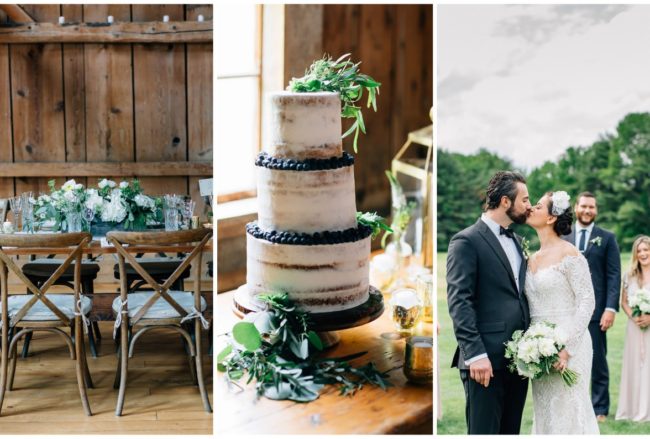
<point x="88" y="215"/>
<point x="16" y="204"/>
<point x="188" y="210"/>
<point x="28" y="211"/>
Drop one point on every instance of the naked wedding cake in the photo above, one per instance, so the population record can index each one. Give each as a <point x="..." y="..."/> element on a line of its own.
<point x="306" y="241"/>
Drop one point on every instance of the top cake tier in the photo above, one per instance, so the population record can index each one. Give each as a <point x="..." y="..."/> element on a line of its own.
<point x="305" y="125"/>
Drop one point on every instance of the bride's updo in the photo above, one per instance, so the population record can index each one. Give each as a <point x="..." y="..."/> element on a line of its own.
<point x="563" y="213"/>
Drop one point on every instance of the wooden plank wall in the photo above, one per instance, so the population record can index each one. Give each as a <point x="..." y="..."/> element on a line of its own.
<point x="107" y="102"/>
<point x="395" y="46"/>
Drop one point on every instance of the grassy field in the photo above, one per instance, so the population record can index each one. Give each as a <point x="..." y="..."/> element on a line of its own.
<point x="451" y="389"/>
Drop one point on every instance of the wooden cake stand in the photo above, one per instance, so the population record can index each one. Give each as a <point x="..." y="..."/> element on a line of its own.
<point x="325" y="324"/>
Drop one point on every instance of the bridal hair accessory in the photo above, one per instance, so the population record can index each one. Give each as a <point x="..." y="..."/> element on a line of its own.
<point x="560" y="202"/>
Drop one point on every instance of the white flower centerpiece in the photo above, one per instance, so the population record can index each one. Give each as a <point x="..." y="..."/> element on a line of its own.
<point x="108" y="207"/>
<point x="533" y="353"/>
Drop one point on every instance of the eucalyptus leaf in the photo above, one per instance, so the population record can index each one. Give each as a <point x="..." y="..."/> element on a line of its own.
<point x="315" y="340"/>
<point x="224" y="354"/>
<point x="247" y="335"/>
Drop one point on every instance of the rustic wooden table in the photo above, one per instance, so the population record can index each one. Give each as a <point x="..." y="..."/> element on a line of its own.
<point x="404" y="408"/>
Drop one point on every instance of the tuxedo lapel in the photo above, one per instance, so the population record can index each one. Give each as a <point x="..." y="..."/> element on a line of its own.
<point x="523" y="266"/>
<point x="494" y="244"/>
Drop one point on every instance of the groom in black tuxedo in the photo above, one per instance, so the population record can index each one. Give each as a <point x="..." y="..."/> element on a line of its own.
<point x="486" y="271"/>
<point x="600" y="248"/>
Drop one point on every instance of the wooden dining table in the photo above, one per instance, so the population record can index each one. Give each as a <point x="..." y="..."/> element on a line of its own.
<point x="401" y="409"/>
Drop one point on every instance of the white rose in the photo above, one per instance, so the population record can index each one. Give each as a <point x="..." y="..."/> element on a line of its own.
<point x="70" y="196"/>
<point x="78" y="186"/>
<point x="124" y="184"/>
<point x="94" y="201"/>
<point x="69" y="185"/>
<point x="144" y="201"/>
<point x="546" y="347"/>
<point x="528" y="351"/>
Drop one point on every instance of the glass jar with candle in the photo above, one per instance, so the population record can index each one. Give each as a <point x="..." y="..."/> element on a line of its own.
<point x="418" y="360"/>
<point x="405" y="309"/>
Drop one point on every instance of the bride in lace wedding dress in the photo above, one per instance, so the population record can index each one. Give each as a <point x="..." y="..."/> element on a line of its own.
<point x="559" y="291"/>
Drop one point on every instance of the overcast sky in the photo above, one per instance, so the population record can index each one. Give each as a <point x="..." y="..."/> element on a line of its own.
<point x="530" y="81"/>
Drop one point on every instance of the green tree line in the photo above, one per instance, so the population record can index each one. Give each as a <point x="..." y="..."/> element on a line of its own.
<point x="616" y="168"/>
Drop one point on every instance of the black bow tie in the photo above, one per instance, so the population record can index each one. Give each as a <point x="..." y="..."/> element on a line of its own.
<point x="509" y="233"/>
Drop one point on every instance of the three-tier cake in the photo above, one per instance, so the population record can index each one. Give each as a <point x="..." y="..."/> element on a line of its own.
<point x="306" y="241"/>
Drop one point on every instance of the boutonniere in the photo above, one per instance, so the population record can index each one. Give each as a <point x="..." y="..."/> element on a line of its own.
<point x="597" y="241"/>
<point x="525" y="244"/>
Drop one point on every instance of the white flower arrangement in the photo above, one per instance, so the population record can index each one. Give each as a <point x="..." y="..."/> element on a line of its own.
<point x="561" y="202"/>
<point x="533" y="353"/>
<point x="124" y="204"/>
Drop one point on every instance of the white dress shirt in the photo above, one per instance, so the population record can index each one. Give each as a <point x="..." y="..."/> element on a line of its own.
<point x="589" y="229"/>
<point x="510" y="249"/>
<point x="579" y="229"/>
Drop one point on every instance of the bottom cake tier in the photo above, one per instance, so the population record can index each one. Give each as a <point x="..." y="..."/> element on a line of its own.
<point x="321" y="272"/>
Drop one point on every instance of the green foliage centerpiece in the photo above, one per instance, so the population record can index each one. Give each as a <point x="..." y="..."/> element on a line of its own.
<point x="273" y="347"/>
<point x="341" y="76"/>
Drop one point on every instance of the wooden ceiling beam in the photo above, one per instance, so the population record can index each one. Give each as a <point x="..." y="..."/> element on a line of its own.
<point x="106" y="169"/>
<point x="16" y="14"/>
<point x="126" y="32"/>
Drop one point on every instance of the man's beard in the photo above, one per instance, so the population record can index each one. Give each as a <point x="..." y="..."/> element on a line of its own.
<point x="517" y="218"/>
<point x="589" y="221"/>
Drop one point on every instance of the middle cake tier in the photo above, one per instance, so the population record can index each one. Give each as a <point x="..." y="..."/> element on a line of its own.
<point x="306" y="196"/>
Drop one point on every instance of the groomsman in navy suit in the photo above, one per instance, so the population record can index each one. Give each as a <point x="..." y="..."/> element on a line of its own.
<point x="599" y="247"/>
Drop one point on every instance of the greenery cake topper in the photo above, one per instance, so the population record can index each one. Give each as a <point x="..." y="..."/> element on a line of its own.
<point x="274" y="345"/>
<point x="342" y="76"/>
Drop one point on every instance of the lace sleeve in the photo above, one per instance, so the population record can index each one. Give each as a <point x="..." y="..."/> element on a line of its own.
<point x="579" y="278"/>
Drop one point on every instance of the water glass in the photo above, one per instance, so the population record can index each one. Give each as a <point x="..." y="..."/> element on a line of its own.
<point x="171" y="219"/>
<point x="171" y="206"/>
<point x="74" y="222"/>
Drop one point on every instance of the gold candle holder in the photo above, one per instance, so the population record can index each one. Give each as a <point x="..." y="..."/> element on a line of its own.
<point x="418" y="361"/>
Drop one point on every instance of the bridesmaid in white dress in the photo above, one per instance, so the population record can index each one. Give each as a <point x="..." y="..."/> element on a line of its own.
<point x="559" y="291"/>
<point x="634" y="398"/>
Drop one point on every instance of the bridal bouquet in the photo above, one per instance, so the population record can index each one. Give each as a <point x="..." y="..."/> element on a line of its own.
<point x="640" y="303"/>
<point x="533" y="353"/>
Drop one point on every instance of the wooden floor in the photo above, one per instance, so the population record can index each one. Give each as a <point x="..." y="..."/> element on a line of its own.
<point x="160" y="397"/>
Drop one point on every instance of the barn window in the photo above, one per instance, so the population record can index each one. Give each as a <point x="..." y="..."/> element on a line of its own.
<point x="239" y="64"/>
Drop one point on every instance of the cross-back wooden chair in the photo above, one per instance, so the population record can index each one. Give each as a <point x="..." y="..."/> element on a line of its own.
<point x="42" y="311"/>
<point x="161" y="307"/>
